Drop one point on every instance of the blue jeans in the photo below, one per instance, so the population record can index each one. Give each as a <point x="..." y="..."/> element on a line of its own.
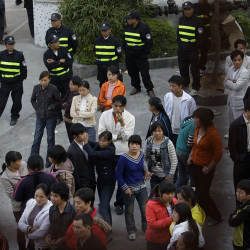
<point x="50" y="125"/>
<point x="91" y="133"/>
<point x="141" y="196"/>
<point x="105" y="193"/>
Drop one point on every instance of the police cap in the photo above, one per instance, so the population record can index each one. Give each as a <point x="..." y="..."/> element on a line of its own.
<point x="105" y="26"/>
<point x="53" y="39"/>
<point x="132" y="15"/>
<point x="9" y="40"/>
<point x="187" y="5"/>
<point x="55" y="17"/>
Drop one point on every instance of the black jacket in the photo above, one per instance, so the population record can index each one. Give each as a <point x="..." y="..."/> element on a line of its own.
<point x="145" y="36"/>
<point x="84" y="173"/>
<point x="67" y="101"/>
<point x="15" y="57"/>
<point x="237" y="141"/>
<point x="64" y="32"/>
<point x="62" y="54"/>
<point x="104" y="161"/>
<point x="46" y="102"/>
<point x="247" y="95"/>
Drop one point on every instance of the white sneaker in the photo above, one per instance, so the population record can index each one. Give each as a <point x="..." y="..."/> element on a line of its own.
<point x="193" y="92"/>
<point x="132" y="236"/>
<point x="226" y="136"/>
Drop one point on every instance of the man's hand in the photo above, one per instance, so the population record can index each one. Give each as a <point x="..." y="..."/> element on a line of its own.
<point x="128" y="192"/>
<point x="62" y="60"/>
<point x="50" y="61"/>
<point x="120" y="119"/>
<point x="86" y="138"/>
<point x="205" y="170"/>
<point x="147" y="175"/>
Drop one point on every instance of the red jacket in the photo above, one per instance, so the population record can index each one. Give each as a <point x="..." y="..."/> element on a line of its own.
<point x="158" y="221"/>
<point x="71" y="240"/>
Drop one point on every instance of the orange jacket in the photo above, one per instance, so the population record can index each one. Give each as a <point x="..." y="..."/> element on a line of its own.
<point x="120" y="89"/>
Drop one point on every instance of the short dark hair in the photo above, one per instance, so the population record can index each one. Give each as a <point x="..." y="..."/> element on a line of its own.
<point x="240" y="41"/>
<point x="58" y="154"/>
<point x="164" y="187"/>
<point x="121" y="99"/>
<point x="156" y="125"/>
<point x="176" y="80"/>
<point x="236" y="53"/>
<point x="114" y="70"/>
<point x="188" y="194"/>
<point x="35" y="162"/>
<point x="11" y="156"/>
<point x="247" y="104"/>
<point x="106" y="135"/>
<point x="244" y="185"/>
<point x="85" y="218"/>
<point x="44" y="74"/>
<point x="84" y="84"/>
<point x="86" y="195"/>
<point x="44" y="187"/>
<point x="205" y="116"/>
<point x="76" y="80"/>
<point x="135" y="139"/>
<point x="61" y="189"/>
<point x="77" y="129"/>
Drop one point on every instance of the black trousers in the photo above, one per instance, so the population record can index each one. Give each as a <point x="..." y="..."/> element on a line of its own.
<point x="188" y="58"/>
<point x="203" y="51"/>
<point x="2" y="14"/>
<point x="30" y="20"/>
<point x="68" y="127"/>
<point x="16" y="91"/>
<point x="137" y="65"/>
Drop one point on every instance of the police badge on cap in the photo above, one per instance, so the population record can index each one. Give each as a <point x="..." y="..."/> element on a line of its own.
<point x="9" y="40"/>
<point x="187" y="5"/>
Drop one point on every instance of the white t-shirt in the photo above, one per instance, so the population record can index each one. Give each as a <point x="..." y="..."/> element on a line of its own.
<point x="176" y="115"/>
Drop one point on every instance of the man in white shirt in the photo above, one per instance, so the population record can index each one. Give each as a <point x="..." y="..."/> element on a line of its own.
<point x="178" y="104"/>
<point x="121" y="124"/>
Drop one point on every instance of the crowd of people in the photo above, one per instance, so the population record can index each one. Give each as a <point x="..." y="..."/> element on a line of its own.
<point x="55" y="209"/>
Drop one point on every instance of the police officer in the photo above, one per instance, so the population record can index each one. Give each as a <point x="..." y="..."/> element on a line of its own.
<point x="67" y="37"/>
<point x="13" y="71"/>
<point x="188" y="32"/>
<point x="108" y="52"/>
<point x="138" y="43"/>
<point x="203" y="11"/>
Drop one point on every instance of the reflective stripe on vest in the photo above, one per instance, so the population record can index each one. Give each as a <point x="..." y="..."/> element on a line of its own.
<point x="10" y="69"/>
<point x="64" y="42"/>
<point x="135" y="38"/>
<point x="60" y="73"/>
<point x="202" y="16"/>
<point x="187" y="33"/>
<point x="107" y="59"/>
<point x="105" y="53"/>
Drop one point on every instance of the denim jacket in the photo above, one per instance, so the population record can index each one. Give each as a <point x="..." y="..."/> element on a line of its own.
<point x="164" y="154"/>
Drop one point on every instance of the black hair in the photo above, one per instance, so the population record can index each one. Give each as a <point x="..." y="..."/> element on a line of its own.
<point x="35" y="162"/>
<point x="178" y="80"/>
<point x="240" y="41"/>
<point x="44" y="74"/>
<point x="44" y="187"/>
<point x="61" y="189"/>
<point x="244" y="185"/>
<point x="86" y="195"/>
<point x="156" y="125"/>
<point x="135" y="139"/>
<point x="236" y="53"/>
<point x="76" y="80"/>
<point x="185" y="214"/>
<point x="77" y="129"/>
<point x="164" y="187"/>
<point x="115" y="71"/>
<point x="84" y="84"/>
<point x="190" y="240"/>
<point x="106" y="135"/>
<point x="188" y="194"/>
<point x="58" y="154"/>
<point x="247" y="105"/>
<point x="205" y="116"/>
<point x="121" y="99"/>
<point x="85" y="218"/>
<point x="11" y="156"/>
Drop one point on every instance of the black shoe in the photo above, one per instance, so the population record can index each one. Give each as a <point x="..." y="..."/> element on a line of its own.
<point x="119" y="210"/>
<point x="13" y="122"/>
<point x="134" y="91"/>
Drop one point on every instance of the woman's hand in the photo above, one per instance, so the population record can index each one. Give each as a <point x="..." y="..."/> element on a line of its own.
<point x="147" y="175"/>
<point x="128" y="192"/>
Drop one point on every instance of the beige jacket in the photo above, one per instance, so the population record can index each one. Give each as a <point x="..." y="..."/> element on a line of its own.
<point x="88" y="115"/>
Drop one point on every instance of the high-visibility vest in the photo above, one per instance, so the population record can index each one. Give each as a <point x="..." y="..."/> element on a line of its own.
<point x="187" y="33"/>
<point x="10" y="69"/>
<point x="105" y="53"/>
<point x="64" y="42"/>
<point x="133" y="39"/>
<point x="59" y="71"/>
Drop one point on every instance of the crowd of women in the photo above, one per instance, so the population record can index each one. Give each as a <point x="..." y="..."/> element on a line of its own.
<point x="179" y="161"/>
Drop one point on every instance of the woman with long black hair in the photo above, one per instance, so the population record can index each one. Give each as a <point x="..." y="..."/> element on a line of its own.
<point x="159" y="114"/>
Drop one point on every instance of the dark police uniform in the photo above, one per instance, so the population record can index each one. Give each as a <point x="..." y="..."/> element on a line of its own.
<point x="13" y="71"/>
<point x="204" y="13"/>
<point x="138" y="43"/>
<point x="108" y="52"/>
<point x="59" y="72"/>
<point x="188" y="32"/>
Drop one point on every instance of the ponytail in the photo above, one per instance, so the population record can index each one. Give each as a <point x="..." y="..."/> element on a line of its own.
<point x="155" y="192"/>
<point x="11" y="156"/>
<point x="194" y="228"/>
<point x="4" y="166"/>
